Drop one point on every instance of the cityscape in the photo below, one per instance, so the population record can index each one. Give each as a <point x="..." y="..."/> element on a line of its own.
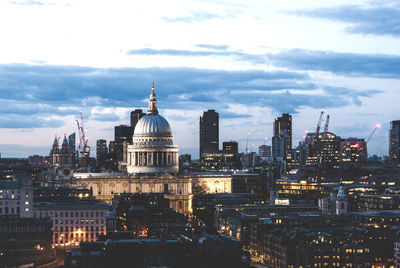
<point x="199" y="134"/>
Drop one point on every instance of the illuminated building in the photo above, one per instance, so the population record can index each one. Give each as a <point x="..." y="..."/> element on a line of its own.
<point x="16" y="197"/>
<point x="324" y="151"/>
<point x="209" y="132"/>
<point x="220" y="160"/>
<point x="298" y="189"/>
<point x="230" y="147"/>
<point x="353" y="153"/>
<point x="152" y="149"/>
<point x="74" y="221"/>
<point x="315" y="240"/>
<point x="283" y="138"/>
<point x="394" y="143"/>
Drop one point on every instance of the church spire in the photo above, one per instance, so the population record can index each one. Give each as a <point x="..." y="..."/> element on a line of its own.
<point x="152" y="102"/>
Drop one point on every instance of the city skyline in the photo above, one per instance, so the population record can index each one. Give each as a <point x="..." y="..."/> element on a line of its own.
<point x="250" y="62"/>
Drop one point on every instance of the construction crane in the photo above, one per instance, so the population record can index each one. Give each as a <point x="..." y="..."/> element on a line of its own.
<point x="373" y="132"/>
<point x="83" y="148"/>
<point x="247" y="143"/>
<point x="319" y="124"/>
<point x="326" y="126"/>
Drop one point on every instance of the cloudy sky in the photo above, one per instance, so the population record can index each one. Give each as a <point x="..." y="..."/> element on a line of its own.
<point x="249" y="60"/>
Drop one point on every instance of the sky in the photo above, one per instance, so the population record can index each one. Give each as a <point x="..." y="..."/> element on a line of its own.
<point x="250" y="60"/>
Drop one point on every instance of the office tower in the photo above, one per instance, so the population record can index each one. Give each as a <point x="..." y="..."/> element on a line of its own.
<point x="209" y="132"/>
<point x="277" y="146"/>
<point x="136" y="115"/>
<point x="101" y="148"/>
<point x="264" y="151"/>
<point x="72" y="142"/>
<point x="230" y="147"/>
<point x="394" y="143"/>
<point x="123" y="133"/>
<point x="353" y="153"/>
<point x="283" y="129"/>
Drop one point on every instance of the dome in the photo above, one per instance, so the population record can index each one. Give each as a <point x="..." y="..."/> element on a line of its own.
<point x="153" y="125"/>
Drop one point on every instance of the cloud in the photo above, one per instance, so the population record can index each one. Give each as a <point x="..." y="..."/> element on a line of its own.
<point x="213" y="47"/>
<point x="377" y="20"/>
<point x="30" y="94"/>
<point x="194" y="17"/>
<point x="254" y="58"/>
<point x="27" y="3"/>
<point x="28" y="121"/>
<point x="347" y="64"/>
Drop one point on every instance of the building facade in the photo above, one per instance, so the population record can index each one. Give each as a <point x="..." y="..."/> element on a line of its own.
<point x="152" y="149"/>
<point x="394" y="143"/>
<point x="209" y="132"/>
<point x="74" y="221"/>
<point x="16" y="198"/>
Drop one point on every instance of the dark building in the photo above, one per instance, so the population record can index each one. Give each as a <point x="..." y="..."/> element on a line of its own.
<point x="26" y="242"/>
<point x="264" y="151"/>
<point x="209" y="132"/>
<point x="101" y="148"/>
<point x="136" y="115"/>
<point x="283" y="130"/>
<point x="147" y="215"/>
<point x="394" y="143"/>
<point x="230" y="147"/>
<point x="72" y="142"/>
<point x="278" y="146"/>
<point x="178" y="251"/>
<point x="123" y="133"/>
<point x="249" y="183"/>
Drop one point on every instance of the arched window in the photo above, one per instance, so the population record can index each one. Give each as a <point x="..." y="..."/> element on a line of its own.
<point x="180" y="205"/>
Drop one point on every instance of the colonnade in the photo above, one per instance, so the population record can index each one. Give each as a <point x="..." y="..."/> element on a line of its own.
<point x="158" y="159"/>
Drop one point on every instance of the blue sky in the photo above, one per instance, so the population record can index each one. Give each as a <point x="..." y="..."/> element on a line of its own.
<point x="249" y="60"/>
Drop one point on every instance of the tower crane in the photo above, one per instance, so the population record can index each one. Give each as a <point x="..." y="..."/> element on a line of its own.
<point x="319" y="124"/>
<point x="247" y="143"/>
<point x="326" y="126"/>
<point x="373" y="132"/>
<point x="83" y="148"/>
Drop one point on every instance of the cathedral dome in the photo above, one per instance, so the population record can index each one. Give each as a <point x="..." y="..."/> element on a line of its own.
<point x="153" y="125"/>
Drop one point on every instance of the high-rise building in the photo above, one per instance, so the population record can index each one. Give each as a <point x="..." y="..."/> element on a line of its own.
<point x="324" y="151"/>
<point x="264" y="151"/>
<point x="283" y="129"/>
<point x="353" y="153"/>
<point x="230" y="147"/>
<point x="394" y="143"/>
<point x="277" y="146"/>
<point x="209" y="132"/>
<point x="101" y="148"/>
<point x="72" y="142"/>
<point x="123" y="133"/>
<point x="136" y="115"/>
